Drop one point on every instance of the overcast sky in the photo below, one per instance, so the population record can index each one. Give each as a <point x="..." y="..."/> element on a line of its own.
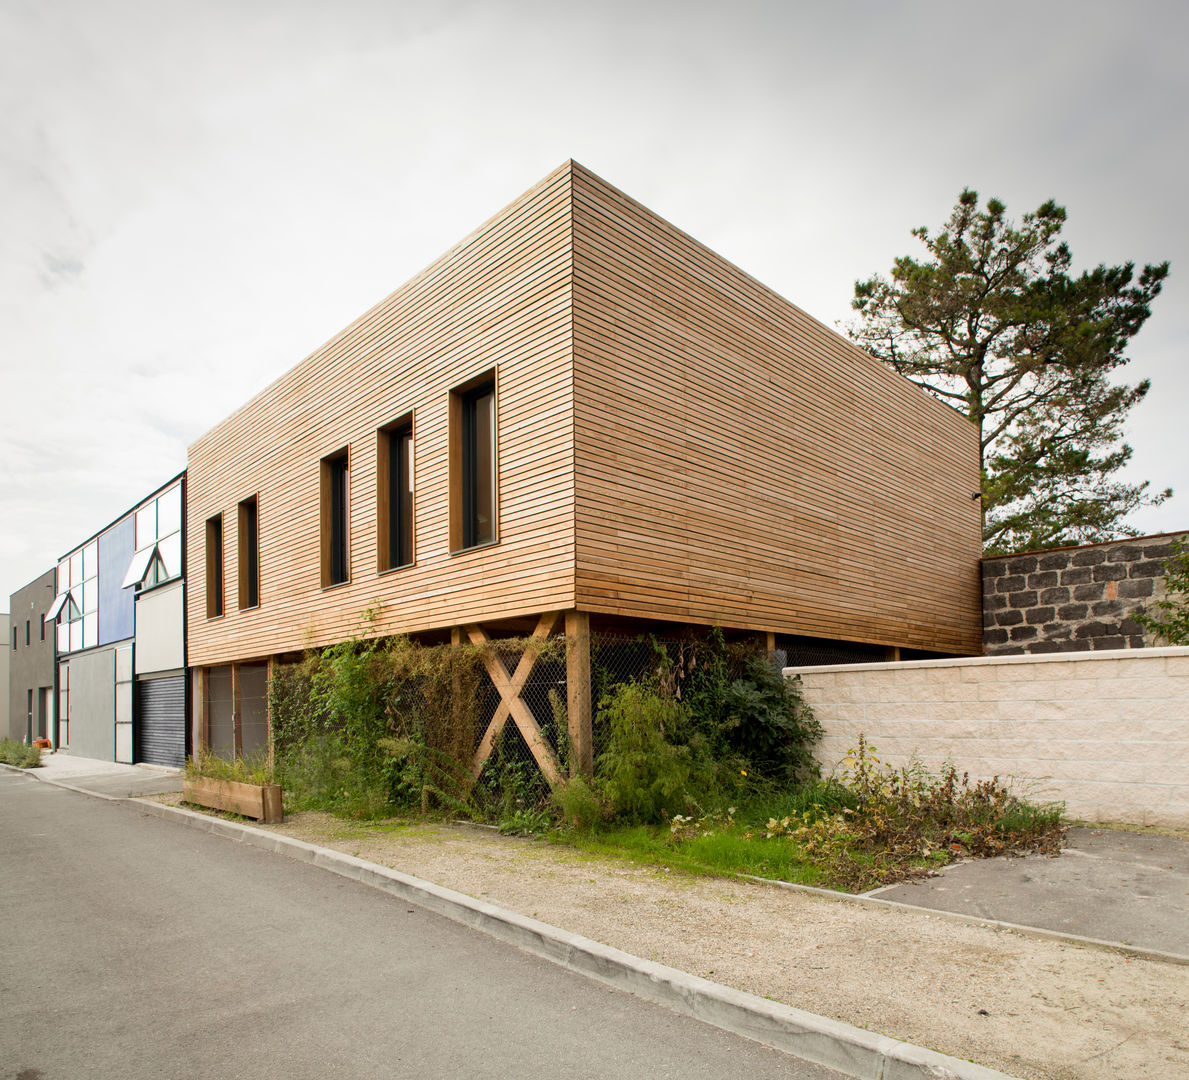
<point x="195" y="194"/>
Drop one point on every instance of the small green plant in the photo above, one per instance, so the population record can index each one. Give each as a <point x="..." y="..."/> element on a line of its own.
<point x="578" y="805"/>
<point x="18" y="754"/>
<point x="1173" y="625"/>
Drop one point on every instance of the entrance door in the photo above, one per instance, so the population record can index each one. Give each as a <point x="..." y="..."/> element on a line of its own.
<point x="45" y="700"/>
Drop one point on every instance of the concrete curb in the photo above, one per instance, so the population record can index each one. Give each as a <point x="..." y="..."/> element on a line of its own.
<point x="1137" y="951"/>
<point x="847" y="1049"/>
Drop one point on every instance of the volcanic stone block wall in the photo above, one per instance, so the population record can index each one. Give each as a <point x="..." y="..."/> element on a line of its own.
<point x="1073" y="599"/>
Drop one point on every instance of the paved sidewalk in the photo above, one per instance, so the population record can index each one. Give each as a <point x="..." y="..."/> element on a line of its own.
<point x="109" y="778"/>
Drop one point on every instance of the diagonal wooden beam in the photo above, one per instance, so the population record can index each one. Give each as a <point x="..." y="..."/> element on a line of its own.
<point x="511" y="704"/>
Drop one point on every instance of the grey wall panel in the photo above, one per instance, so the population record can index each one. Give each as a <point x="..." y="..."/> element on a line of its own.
<point x="93" y="704"/>
<point x="159" y="629"/>
<point x="160" y="728"/>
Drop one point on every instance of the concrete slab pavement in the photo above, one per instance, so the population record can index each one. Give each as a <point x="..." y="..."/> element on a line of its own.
<point x="110" y="779"/>
<point x="1107" y="885"/>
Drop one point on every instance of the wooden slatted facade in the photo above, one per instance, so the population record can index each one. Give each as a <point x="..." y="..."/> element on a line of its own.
<point x="674" y="441"/>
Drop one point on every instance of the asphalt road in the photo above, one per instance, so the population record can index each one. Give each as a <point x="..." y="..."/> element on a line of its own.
<point x="131" y="947"/>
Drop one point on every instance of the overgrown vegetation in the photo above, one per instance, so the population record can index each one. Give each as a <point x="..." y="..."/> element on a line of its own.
<point x="18" y="754"/>
<point x="704" y="761"/>
<point x="867" y="825"/>
<point x="253" y="769"/>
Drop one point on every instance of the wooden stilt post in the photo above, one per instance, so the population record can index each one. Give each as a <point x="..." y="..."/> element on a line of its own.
<point x="578" y="704"/>
<point x="237" y="724"/>
<point x="202" y="710"/>
<point x="268" y="715"/>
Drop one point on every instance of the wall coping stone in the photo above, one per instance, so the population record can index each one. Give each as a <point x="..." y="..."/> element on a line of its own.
<point x="1086" y="657"/>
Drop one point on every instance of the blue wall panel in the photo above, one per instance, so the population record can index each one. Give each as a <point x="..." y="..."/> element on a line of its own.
<point x="116" y="548"/>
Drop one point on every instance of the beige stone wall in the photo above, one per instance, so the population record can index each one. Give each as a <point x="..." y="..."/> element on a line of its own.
<point x="1105" y="732"/>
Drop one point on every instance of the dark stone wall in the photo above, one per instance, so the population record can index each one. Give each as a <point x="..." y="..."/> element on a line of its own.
<point x="1073" y="599"/>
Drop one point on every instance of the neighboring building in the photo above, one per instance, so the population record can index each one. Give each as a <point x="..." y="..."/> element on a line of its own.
<point x="578" y="411"/>
<point x="4" y="661"/>
<point x="119" y="614"/>
<point x="31" y="661"/>
<point x="1073" y="599"/>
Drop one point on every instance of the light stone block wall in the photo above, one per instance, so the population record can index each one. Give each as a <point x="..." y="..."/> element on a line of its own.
<point x="1107" y="732"/>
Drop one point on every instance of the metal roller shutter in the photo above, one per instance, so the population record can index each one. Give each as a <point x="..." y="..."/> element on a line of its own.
<point x="160" y="727"/>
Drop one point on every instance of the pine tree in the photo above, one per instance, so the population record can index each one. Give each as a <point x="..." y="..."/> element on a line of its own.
<point x="995" y="324"/>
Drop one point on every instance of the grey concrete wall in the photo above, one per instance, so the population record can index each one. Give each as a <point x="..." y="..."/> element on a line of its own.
<point x="30" y="667"/>
<point x="159" y="642"/>
<point x="1073" y="599"/>
<point x="5" y="654"/>
<point x="93" y="704"/>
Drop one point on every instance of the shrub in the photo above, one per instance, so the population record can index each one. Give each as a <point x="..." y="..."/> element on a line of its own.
<point x="647" y="771"/>
<point x="579" y="806"/>
<point x="18" y="754"/>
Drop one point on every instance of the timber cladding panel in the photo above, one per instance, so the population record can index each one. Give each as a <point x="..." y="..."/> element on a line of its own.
<point x="498" y="302"/>
<point x="673" y="441"/>
<point x="739" y="463"/>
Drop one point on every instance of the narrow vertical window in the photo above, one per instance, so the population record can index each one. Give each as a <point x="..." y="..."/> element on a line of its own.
<point x="27" y="638"/>
<point x="214" y="567"/>
<point x="394" y="495"/>
<point x="249" y="554"/>
<point x="473" y="465"/>
<point x="43" y="628"/>
<point x="335" y="519"/>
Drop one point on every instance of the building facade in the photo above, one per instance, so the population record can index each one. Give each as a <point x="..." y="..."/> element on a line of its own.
<point x="31" y="662"/>
<point x="118" y="619"/>
<point x="578" y="416"/>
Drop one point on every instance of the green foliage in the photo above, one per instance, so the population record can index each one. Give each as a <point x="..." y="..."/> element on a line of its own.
<point x="579" y="806"/>
<point x="253" y="769"/>
<point x="18" y="754"/>
<point x="996" y="325"/>
<point x="1173" y="625"/>
<point x="367" y="726"/>
<point x="647" y="770"/>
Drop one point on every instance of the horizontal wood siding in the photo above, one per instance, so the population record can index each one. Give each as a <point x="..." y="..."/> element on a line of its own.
<point x="500" y="300"/>
<point x="739" y="463"/>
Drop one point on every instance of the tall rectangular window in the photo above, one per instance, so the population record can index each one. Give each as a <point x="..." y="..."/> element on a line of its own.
<point x="214" y="567"/>
<point x="43" y="628"/>
<point x="336" y="567"/>
<point x="249" y="553"/>
<point x="27" y="638"/>
<point x="394" y="495"/>
<point x="473" y="465"/>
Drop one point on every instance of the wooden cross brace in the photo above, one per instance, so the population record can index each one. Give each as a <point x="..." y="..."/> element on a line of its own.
<point x="511" y="705"/>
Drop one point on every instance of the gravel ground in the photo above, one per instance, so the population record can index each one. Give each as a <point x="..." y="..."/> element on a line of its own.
<point x="1031" y="1008"/>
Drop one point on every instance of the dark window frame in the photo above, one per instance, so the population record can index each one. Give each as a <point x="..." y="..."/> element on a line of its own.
<point x="474" y="464"/>
<point x="214" y="567"/>
<point x="395" y="532"/>
<point x="248" y="521"/>
<point x="335" y="482"/>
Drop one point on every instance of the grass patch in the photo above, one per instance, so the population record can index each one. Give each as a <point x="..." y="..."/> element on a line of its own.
<point x="18" y="754"/>
<point x="253" y="769"/>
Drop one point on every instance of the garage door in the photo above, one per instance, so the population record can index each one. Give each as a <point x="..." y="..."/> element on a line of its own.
<point x="160" y="728"/>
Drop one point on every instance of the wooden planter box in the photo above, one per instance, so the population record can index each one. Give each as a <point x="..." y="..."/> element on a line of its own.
<point x="259" y="801"/>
